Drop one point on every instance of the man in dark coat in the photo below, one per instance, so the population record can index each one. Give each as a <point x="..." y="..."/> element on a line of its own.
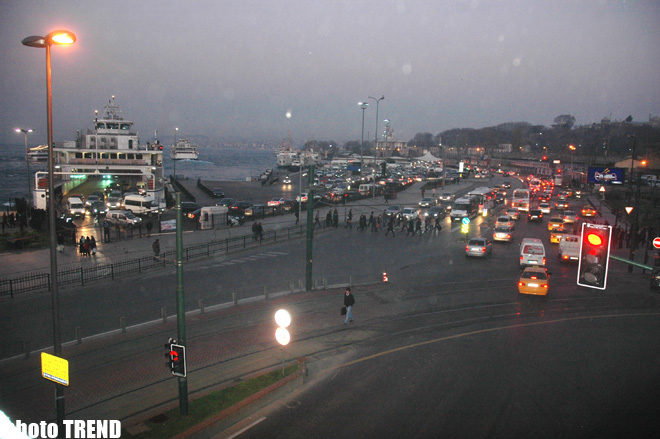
<point x="349" y="301"/>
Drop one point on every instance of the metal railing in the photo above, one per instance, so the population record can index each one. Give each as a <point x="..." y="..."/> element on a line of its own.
<point x="84" y="275"/>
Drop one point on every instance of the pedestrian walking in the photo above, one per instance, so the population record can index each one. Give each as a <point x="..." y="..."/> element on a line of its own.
<point x="349" y="301"/>
<point x="335" y="218"/>
<point x="156" y="248"/>
<point x="349" y="219"/>
<point x="297" y="217"/>
<point x="92" y="245"/>
<point x="390" y="227"/>
<point x="411" y="228"/>
<point x="149" y="227"/>
<point x="106" y="231"/>
<point x="418" y="226"/>
<point x="316" y="219"/>
<point x="423" y="192"/>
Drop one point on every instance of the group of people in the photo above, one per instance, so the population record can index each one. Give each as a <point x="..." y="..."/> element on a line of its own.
<point x="87" y="246"/>
<point x="391" y="223"/>
<point x="11" y="220"/>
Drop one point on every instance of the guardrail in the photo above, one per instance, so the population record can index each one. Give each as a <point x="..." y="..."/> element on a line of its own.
<point x="85" y="275"/>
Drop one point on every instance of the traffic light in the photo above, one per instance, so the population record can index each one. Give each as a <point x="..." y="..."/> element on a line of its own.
<point x="594" y="255"/>
<point x="176" y="354"/>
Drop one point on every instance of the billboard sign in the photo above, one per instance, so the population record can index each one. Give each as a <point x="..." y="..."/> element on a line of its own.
<point x="606" y="175"/>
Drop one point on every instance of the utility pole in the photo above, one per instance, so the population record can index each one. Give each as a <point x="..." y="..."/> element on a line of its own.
<point x="310" y="227"/>
<point x="180" y="304"/>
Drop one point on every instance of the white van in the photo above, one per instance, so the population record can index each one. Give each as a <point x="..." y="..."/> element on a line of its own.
<point x="123" y="218"/>
<point x="367" y="189"/>
<point x="213" y="216"/>
<point x="569" y="248"/>
<point x="75" y="206"/>
<point x="140" y="204"/>
<point x="532" y="252"/>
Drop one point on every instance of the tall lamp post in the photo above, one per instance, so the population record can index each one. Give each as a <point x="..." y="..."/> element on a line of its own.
<point x="364" y="106"/>
<point x="176" y="130"/>
<point x="58" y="37"/>
<point x="376" y="133"/>
<point x="27" y="164"/>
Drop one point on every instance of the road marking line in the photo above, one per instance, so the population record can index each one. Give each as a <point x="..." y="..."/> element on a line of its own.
<point x="238" y="433"/>
<point x="483" y="331"/>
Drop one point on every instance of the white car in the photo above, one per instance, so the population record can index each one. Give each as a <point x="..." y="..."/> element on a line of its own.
<point x="504" y="220"/>
<point x="513" y="213"/>
<point x="410" y="213"/>
<point x="545" y="207"/>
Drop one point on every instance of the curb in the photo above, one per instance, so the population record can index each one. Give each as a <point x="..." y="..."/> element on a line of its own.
<point x="238" y="407"/>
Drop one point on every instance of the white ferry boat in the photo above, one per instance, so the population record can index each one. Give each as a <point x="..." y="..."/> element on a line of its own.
<point x="38" y="153"/>
<point x="109" y="151"/>
<point x="184" y="150"/>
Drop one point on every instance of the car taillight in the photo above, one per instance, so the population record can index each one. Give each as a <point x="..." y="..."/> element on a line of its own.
<point x="521" y="258"/>
<point x="520" y="284"/>
<point x="565" y="257"/>
<point x="545" y="285"/>
<point x="543" y="261"/>
<point x="467" y="248"/>
<point x="483" y="249"/>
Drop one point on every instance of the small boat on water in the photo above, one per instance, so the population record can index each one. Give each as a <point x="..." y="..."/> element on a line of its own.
<point x="38" y="153"/>
<point x="184" y="150"/>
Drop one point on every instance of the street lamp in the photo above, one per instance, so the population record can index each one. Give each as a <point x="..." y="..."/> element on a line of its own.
<point x="174" y="152"/>
<point x="364" y="106"/>
<point x="376" y="133"/>
<point x="58" y="37"/>
<point x="27" y="163"/>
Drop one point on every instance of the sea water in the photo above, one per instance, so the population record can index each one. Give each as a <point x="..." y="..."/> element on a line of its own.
<point x="215" y="163"/>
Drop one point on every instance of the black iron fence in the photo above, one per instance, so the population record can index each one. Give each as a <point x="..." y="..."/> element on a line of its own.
<point x="84" y="275"/>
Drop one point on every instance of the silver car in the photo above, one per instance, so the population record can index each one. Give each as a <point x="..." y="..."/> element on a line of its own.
<point x="478" y="247"/>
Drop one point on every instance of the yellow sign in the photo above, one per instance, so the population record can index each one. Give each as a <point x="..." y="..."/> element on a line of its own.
<point x="55" y="369"/>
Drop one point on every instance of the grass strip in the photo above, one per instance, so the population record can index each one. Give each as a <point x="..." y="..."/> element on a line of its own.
<point x="207" y="406"/>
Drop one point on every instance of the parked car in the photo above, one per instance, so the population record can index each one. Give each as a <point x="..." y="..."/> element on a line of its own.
<point x="479" y="247"/>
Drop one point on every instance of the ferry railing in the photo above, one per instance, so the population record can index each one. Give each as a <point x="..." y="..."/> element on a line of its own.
<point x="83" y="275"/>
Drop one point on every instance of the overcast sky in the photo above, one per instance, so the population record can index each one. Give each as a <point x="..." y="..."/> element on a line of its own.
<point x="235" y="68"/>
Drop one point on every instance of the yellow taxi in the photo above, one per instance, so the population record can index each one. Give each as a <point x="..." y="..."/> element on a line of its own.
<point x="555" y="222"/>
<point x="555" y="234"/>
<point x="534" y="281"/>
<point x="588" y="211"/>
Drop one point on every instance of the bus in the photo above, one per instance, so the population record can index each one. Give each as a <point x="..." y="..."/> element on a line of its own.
<point x="520" y="199"/>
<point x="486" y="197"/>
<point x="465" y="207"/>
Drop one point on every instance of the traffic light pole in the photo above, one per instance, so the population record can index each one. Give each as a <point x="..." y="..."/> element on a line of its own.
<point x="180" y="303"/>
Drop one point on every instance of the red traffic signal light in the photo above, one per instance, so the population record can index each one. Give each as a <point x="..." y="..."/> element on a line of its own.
<point x="594" y="256"/>
<point x="176" y="354"/>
